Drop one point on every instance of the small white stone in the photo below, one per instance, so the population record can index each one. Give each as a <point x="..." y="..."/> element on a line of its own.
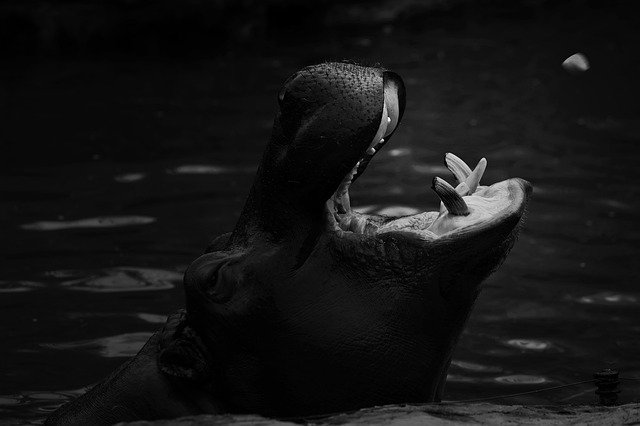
<point x="576" y="63"/>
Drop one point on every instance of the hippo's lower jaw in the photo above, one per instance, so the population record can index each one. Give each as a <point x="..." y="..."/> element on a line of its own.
<point x="464" y="210"/>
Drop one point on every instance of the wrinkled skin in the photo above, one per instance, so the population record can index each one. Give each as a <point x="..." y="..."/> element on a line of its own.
<point x="289" y="315"/>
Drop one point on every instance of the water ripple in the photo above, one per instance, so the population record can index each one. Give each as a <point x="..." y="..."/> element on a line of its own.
<point x="121" y="345"/>
<point x="460" y="379"/>
<point x="608" y="298"/>
<point x="18" y="286"/>
<point x="129" y="177"/>
<point x="198" y="169"/>
<point x="529" y="344"/>
<point x="472" y="366"/>
<point x="93" y="222"/>
<point x="399" y="152"/>
<point x="430" y="169"/>
<point x="152" y="318"/>
<point x="521" y="379"/>
<point x="122" y="279"/>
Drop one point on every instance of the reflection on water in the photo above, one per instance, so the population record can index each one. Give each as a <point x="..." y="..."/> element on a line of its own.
<point x="608" y="298"/>
<point x="18" y="286"/>
<point x="152" y="318"/>
<point x="40" y="404"/>
<point x="563" y="305"/>
<point x="120" y="279"/>
<point x="93" y="222"/>
<point x="521" y="379"/>
<point x="199" y="169"/>
<point x="129" y="177"/>
<point x="529" y="344"/>
<point x="123" y="345"/>
<point x="472" y="366"/>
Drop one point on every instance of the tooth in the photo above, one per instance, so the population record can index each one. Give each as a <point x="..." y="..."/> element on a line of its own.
<point x="381" y="140"/>
<point x="463" y="189"/>
<point x="473" y="179"/>
<point x="450" y="198"/>
<point x="458" y="167"/>
<point x="388" y="119"/>
<point x="345" y="202"/>
<point x="371" y="151"/>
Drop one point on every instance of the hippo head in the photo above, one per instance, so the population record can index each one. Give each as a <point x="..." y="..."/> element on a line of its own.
<point x="310" y="307"/>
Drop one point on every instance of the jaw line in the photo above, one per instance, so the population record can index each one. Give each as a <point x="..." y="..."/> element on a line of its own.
<point x="502" y="203"/>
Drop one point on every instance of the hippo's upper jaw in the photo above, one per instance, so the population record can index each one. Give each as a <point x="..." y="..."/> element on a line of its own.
<point x="310" y="307"/>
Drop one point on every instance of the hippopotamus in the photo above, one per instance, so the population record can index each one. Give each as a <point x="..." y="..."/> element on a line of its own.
<point x="308" y="306"/>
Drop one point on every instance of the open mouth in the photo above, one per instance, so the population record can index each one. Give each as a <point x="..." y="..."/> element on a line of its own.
<point x="466" y="208"/>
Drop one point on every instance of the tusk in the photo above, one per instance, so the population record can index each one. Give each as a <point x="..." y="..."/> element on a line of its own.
<point x="457" y="166"/>
<point x="450" y="198"/>
<point x="473" y="180"/>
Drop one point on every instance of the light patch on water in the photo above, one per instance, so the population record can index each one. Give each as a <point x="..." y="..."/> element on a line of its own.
<point x="471" y="366"/>
<point x="608" y="298"/>
<point x="152" y="318"/>
<point x="530" y="310"/>
<point x="616" y="204"/>
<point x="62" y="273"/>
<point x="399" y="152"/>
<point x="198" y="169"/>
<point x="521" y="379"/>
<point x="398" y="211"/>
<point x="460" y="379"/>
<point x="129" y="177"/>
<point x="18" y="286"/>
<point x="430" y="169"/>
<point x="121" y="345"/>
<point x="93" y="222"/>
<point x="529" y="344"/>
<point x="9" y="400"/>
<point x="122" y="279"/>
<point x="48" y="396"/>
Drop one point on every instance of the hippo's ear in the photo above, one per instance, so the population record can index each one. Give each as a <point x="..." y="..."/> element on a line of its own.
<point x="181" y="353"/>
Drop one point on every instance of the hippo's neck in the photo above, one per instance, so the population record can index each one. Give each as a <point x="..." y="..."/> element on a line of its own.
<point x="276" y="209"/>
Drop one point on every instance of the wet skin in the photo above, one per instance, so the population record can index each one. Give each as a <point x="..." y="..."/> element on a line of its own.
<point x="308" y="307"/>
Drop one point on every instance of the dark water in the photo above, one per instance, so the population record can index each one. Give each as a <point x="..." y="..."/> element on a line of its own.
<point x="118" y="172"/>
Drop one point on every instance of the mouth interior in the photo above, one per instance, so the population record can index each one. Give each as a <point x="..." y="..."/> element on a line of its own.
<point x="463" y="208"/>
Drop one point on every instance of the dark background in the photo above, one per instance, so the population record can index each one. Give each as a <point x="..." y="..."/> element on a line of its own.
<point x="160" y="109"/>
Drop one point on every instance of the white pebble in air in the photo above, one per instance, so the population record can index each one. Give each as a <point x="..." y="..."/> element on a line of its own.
<point x="576" y="63"/>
